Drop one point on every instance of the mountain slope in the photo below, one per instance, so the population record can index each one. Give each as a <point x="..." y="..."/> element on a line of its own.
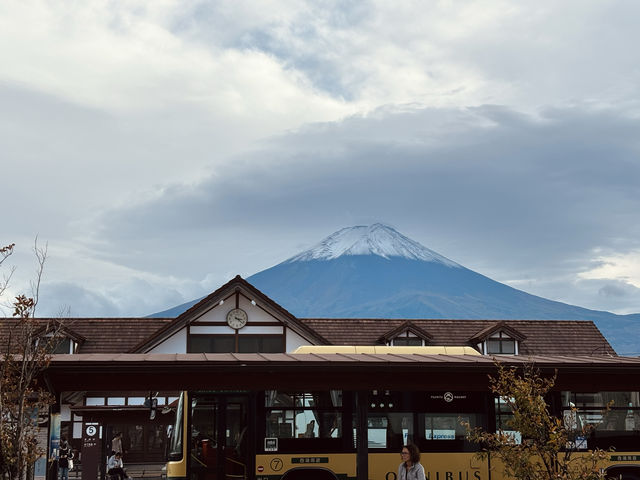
<point x="376" y="272"/>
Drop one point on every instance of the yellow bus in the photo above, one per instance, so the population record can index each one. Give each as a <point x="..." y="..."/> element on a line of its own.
<point x="304" y="433"/>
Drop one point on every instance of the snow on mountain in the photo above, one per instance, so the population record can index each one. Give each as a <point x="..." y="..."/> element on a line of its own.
<point x="377" y="239"/>
<point x="375" y="272"/>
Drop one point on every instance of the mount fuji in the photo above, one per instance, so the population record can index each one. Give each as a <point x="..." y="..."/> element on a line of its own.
<point x="376" y="272"/>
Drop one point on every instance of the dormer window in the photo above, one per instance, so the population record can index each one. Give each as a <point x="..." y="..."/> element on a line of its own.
<point x="65" y="345"/>
<point x="498" y="339"/>
<point x="407" y="334"/>
<point x="407" y="339"/>
<point x="62" y="342"/>
<point x="500" y="343"/>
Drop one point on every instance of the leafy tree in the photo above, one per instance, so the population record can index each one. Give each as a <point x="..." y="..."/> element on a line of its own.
<point x="25" y="354"/>
<point x="547" y="448"/>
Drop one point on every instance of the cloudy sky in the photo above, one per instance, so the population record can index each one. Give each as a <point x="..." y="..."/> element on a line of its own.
<point x="160" y="148"/>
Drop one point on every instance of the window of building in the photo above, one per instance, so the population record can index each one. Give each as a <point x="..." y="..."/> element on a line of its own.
<point x="64" y="345"/>
<point x="260" y="343"/>
<point x="227" y="343"/>
<point x="407" y="339"/>
<point x="58" y="345"/>
<point x="77" y="425"/>
<point x="500" y="344"/>
<point x="212" y="343"/>
<point x="408" y="342"/>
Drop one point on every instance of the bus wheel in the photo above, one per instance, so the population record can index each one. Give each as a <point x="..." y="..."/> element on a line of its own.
<point x="309" y="474"/>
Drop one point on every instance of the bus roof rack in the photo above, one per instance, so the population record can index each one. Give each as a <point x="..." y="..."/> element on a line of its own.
<point x="386" y="349"/>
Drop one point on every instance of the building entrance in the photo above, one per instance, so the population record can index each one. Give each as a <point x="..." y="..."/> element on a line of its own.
<point x="219" y="433"/>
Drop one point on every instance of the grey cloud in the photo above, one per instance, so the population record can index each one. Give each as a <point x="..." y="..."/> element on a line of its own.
<point x="485" y="186"/>
<point x="74" y="299"/>
<point x="613" y="290"/>
<point x="129" y="297"/>
<point x="304" y="37"/>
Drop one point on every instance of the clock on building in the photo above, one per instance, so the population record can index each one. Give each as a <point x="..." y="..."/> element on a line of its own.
<point x="237" y="318"/>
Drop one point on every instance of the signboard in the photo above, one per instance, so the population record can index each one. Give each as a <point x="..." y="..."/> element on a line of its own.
<point x="54" y="436"/>
<point x="91" y="447"/>
<point x="441" y="434"/>
<point x="54" y="444"/>
<point x="310" y="460"/>
<point x="270" y="444"/>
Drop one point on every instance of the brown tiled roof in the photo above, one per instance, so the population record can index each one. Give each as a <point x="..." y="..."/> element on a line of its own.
<point x="99" y="335"/>
<point x="541" y="337"/>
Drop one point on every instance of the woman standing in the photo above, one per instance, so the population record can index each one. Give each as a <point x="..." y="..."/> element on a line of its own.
<point x="410" y="468"/>
<point x="64" y="455"/>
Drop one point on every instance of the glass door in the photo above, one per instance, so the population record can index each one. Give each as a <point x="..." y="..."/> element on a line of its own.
<point x="219" y="439"/>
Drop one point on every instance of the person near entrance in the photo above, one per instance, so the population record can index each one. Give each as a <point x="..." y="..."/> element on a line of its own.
<point x="410" y="468"/>
<point x="116" y="443"/>
<point x="115" y="467"/>
<point x="64" y="456"/>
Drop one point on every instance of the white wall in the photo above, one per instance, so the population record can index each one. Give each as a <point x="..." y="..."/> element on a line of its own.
<point x="175" y="344"/>
<point x="294" y="341"/>
<point x="219" y="312"/>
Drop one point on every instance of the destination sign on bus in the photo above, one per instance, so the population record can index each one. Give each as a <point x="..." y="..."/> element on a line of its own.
<point x="310" y="460"/>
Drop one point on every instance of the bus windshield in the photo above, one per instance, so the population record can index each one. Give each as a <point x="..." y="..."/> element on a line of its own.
<point x="175" y="441"/>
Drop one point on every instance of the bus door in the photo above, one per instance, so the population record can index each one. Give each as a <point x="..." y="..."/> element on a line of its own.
<point x="220" y="446"/>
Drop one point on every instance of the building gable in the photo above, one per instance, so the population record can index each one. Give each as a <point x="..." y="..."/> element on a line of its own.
<point x="406" y="332"/>
<point x="206" y="326"/>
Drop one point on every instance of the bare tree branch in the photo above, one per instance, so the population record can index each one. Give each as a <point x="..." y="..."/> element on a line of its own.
<point x="25" y="355"/>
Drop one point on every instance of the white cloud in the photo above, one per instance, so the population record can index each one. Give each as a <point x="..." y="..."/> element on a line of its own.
<point x="124" y="58"/>
<point x="623" y="267"/>
<point x="130" y="126"/>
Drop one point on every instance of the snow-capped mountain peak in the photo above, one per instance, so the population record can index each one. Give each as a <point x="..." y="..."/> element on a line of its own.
<point x="377" y="239"/>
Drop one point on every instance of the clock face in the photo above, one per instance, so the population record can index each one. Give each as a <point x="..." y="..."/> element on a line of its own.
<point x="237" y="318"/>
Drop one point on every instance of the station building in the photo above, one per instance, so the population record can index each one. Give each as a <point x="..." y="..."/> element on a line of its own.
<point x="238" y="319"/>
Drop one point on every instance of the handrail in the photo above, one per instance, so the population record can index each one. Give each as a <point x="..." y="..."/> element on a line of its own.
<point x="244" y="469"/>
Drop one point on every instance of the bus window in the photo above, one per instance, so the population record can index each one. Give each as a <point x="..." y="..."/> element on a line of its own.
<point x="325" y="399"/>
<point x="303" y="414"/>
<point x="446" y="426"/>
<point x="389" y="430"/>
<point x="610" y="419"/>
<point x="446" y="432"/>
<point x="503" y="419"/>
